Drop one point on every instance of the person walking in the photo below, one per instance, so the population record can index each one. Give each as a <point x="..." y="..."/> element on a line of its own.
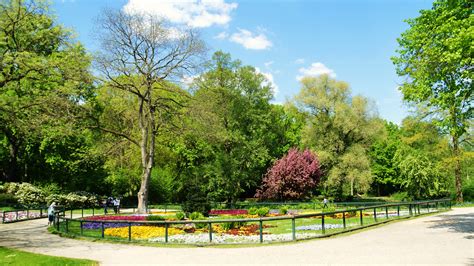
<point x="51" y="213"/>
<point x="325" y="202"/>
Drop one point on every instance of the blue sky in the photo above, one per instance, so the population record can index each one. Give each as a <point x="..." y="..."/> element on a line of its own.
<point x="352" y="40"/>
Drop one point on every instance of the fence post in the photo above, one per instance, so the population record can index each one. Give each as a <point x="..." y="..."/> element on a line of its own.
<point x="293" y="228"/>
<point x="375" y="214"/>
<point x="102" y="228"/>
<point x="210" y="232"/>
<point x="27" y="213"/>
<point x="17" y="218"/>
<point x="386" y="212"/>
<point x="93" y="210"/>
<point x="129" y="231"/>
<point x="81" y="228"/>
<point x="323" y="229"/>
<point x="427" y="207"/>
<point x="3" y="217"/>
<point x="361" y="219"/>
<point x="41" y="212"/>
<point x="398" y="210"/>
<point x="409" y="210"/>
<point x="71" y="213"/>
<point x="82" y="212"/>
<point x="344" y="220"/>
<point x="419" y="212"/>
<point x="67" y="227"/>
<point x="166" y="232"/>
<point x="261" y="230"/>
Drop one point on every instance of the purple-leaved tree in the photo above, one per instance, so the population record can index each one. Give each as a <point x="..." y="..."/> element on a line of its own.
<point x="291" y="177"/>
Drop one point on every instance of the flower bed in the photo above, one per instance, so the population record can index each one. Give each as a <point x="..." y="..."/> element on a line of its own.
<point x="116" y="218"/>
<point x="228" y="212"/>
<point x="22" y="215"/>
<point x="142" y="232"/>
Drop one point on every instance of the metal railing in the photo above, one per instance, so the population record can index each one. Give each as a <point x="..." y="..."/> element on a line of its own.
<point x="365" y="217"/>
<point x="24" y="214"/>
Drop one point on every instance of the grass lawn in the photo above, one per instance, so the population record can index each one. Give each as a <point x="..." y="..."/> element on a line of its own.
<point x="16" y="257"/>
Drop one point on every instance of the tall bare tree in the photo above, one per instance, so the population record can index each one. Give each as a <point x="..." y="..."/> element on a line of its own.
<point x="142" y="55"/>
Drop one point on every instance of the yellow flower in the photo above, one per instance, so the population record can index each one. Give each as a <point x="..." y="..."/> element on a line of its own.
<point x="141" y="232"/>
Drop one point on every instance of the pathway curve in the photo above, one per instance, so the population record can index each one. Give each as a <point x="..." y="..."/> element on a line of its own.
<point x="445" y="238"/>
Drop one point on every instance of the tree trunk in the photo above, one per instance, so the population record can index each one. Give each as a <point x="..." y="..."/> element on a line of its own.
<point x="457" y="169"/>
<point x="352" y="186"/>
<point x="12" y="172"/>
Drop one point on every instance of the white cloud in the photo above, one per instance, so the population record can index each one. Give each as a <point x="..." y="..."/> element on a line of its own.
<point x="315" y="69"/>
<point x="221" y="36"/>
<point x="270" y="81"/>
<point x="299" y="61"/>
<point x="188" y="80"/>
<point x="194" y="13"/>
<point x="250" y="40"/>
<point x="268" y="64"/>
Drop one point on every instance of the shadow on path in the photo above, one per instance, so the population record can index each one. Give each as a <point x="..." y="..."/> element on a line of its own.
<point x="460" y="223"/>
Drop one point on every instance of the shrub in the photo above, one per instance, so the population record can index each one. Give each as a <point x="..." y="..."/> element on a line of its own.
<point x="291" y="177"/>
<point x="155" y="218"/>
<point x="180" y="215"/>
<point x="28" y="194"/>
<point x="7" y="199"/>
<point x="196" y="206"/>
<point x="233" y="225"/>
<point x="283" y="210"/>
<point x="401" y="196"/>
<point x="263" y="211"/>
<point x="253" y="211"/>
<point x="196" y="216"/>
<point x="468" y="191"/>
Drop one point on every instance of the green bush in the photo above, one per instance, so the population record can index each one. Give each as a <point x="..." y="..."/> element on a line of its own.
<point x="233" y="225"/>
<point x="7" y="199"/>
<point x="263" y="211"/>
<point x="468" y="191"/>
<point x="155" y="218"/>
<point x="180" y="215"/>
<point x="401" y="196"/>
<point x="30" y="195"/>
<point x="253" y="211"/>
<point x="196" y="206"/>
<point x="196" y="216"/>
<point x="283" y="210"/>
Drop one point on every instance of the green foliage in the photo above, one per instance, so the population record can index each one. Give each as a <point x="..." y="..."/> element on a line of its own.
<point x="435" y="61"/>
<point x="253" y="211"/>
<point x="401" y="196"/>
<point x="155" y="218"/>
<point x="233" y="225"/>
<point x="384" y="169"/>
<point x="29" y="195"/>
<point x="263" y="211"/>
<point x="7" y="199"/>
<point x="43" y="81"/>
<point x="196" y="216"/>
<point x="340" y="129"/>
<point x="234" y="132"/>
<point x="180" y="216"/>
<point x="468" y="191"/>
<point x="283" y="210"/>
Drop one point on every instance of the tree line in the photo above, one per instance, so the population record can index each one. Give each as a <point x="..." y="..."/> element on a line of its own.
<point x="123" y="122"/>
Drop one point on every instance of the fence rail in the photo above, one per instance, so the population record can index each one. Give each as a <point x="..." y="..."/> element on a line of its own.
<point x="359" y="218"/>
<point x="24" y="214"/>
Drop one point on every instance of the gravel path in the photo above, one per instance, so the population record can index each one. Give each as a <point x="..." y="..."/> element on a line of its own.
<point x="442" y="239"/>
